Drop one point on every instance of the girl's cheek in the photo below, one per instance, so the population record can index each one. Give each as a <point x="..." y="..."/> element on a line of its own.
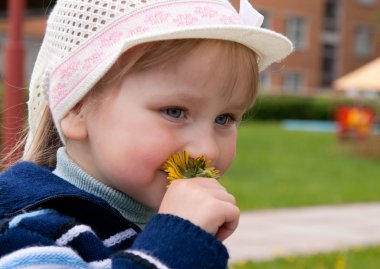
<point x="160" y="147"/>
<point x="229" y="156"/>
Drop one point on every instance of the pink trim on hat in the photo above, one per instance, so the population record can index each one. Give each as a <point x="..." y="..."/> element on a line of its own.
<point x="67" y="76"/>
<point x="206" y="12"/>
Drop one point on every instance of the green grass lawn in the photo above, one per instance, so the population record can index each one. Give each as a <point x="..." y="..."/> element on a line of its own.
<point x="358" y="258"/>
<point x="278" y="168"/>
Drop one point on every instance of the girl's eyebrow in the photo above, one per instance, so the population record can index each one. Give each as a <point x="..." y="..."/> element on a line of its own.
<point x="184" y="95"/>
<point x="239" y="106"/>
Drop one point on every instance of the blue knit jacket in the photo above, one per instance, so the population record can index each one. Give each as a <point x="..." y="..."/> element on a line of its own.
<point x="47" y="222"/>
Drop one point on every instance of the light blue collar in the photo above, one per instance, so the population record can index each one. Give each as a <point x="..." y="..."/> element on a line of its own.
<point x="127" y="206"/>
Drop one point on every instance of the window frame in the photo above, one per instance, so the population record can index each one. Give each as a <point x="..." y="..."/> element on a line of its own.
<point x="366" y="3"/>
<point x="363" y="39"/>
<point x="299" y="33"/>
<point x="299" y="86"/>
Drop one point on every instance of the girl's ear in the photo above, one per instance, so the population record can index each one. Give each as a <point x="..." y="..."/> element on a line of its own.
<point x="73" y="125"/>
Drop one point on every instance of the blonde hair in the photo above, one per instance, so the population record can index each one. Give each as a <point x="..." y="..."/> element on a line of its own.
<point x="243" y="64"/>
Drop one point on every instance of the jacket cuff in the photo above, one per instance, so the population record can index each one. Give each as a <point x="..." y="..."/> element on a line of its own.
<point x="178" y="243"/>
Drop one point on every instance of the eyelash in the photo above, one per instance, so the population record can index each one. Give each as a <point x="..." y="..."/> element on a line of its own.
<point x="167" y="111"/>
<point x="182" y="112"/>
<point x="230" y="121"/>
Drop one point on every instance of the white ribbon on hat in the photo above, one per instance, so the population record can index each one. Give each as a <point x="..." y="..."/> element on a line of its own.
<point x="249" y="15"/>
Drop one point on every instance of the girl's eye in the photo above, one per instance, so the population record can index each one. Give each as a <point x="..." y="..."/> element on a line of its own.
<point x="174" y="112"/>
<point x="224" y="119"/>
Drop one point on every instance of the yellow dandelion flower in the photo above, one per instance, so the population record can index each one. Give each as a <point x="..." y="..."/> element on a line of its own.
<point x="340" y="263"/>
<point x="181" y="165"/>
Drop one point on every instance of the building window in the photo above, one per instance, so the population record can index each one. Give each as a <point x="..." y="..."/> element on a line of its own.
<point x="328" y="64"/>
<point x="296" y="31"/>
<point x="363" y="41"/>
<point x="331" y="15"/>
<point x="293" y="82"/>
<point x="366" y="2"/>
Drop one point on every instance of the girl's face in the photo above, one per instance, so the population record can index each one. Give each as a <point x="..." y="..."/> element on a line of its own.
<point x="182" y="105"/>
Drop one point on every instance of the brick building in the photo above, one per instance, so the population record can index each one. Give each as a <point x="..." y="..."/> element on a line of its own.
<point x="331" y="37"/>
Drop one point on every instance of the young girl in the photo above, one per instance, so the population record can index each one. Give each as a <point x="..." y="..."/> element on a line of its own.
<point x="118" y="87"/>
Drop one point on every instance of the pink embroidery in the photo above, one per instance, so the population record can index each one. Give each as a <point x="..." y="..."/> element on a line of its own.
<point x="206" y="12"/>
<point x="229" y="20"/>
<point x="179" y="14"/>
<point x="110" y="39"/>
<point x="58" y="92"/>
<point x="93" y="60"/>
<point x="185" y="19"/>
<point x="137" y="30"/>
<point x="70" y="70"/>
<point x="157" y="18"/>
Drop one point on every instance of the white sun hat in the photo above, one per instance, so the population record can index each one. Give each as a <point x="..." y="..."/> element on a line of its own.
<point x="84" y="38"/>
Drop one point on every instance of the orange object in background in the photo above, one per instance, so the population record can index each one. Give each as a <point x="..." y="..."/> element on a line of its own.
<point x="355" y="122"/>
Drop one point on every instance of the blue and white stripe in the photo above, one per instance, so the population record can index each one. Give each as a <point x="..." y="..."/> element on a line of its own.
<point x="72" y="233"/>
<point x="43" y="257"/>
<point x="158" y="264"/>
<point x="16" y="220"/>
<point x="119" y="237"/>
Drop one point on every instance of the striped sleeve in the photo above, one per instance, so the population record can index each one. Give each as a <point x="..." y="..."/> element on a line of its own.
<point x="47" y="239"/>
<point x="43" y="257"/>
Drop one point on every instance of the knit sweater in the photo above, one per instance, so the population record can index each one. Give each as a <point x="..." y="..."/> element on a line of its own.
<point x="46" y="222"/>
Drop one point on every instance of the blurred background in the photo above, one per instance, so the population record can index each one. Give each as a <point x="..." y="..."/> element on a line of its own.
<point x="313" y="136"/>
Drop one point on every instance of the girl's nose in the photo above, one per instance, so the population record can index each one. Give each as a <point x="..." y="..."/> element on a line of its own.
<point x="204" y="144"/>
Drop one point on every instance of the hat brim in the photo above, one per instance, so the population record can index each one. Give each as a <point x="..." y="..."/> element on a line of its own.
<point x="268" y="45"/>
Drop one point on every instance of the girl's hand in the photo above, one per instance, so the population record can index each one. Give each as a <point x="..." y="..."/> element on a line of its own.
<point x="204" y="202"/>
